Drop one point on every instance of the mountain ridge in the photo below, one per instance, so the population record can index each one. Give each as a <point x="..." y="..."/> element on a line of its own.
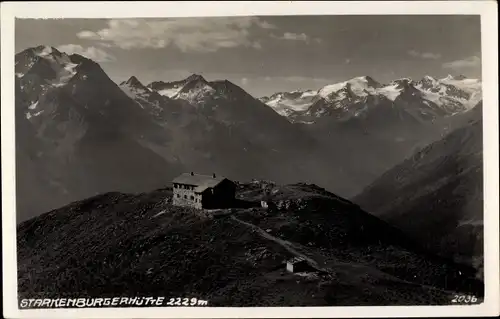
<point x="449" y="95"/>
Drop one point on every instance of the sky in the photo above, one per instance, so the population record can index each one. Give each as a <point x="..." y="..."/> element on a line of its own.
<point x="268" y="54"/>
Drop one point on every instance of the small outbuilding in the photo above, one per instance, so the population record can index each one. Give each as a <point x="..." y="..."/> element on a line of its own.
<point x="297" y="264"/>
<point x="266" y="202"/>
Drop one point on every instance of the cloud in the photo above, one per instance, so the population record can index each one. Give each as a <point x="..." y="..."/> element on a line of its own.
<point x="290" y="36"/>
<point x="295" y="36"/>
<point x="187" y="34"/>
<point x="424" y="55"/>
<point x="470" y="62"/>
<point x="93" y="53"/>
<point x="105" y="45"/>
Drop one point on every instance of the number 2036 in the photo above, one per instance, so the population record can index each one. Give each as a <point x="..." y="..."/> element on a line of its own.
<point x="467" y="299"/>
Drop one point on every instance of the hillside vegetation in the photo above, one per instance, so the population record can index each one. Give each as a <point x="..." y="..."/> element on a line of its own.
<point x="119" y="244"/>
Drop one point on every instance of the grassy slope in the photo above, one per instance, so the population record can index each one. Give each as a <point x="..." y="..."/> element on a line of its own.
<point x="118" y="243"/>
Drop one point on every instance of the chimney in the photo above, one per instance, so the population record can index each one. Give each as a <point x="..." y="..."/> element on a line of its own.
<point x="213" y="175"/>
<point x="192" y="174"/>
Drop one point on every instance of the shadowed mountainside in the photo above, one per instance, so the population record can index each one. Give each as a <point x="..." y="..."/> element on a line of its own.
<point x="440" y="190"/>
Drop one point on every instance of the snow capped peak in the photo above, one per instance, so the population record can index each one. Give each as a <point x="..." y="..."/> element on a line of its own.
<point x="44" y="50"/>
<point x="403" y="84"/>
<point x="195" y="77"/>
<point x="428" y="83"/>
<point x="47" y="63"/>
<point x="41" y="51"/>
<point x="368" y="80"/>
<point x="448" y="96"/>
<point x="402" y="81"/>
<point x="450" y="77"/>
<point x="428" y="78"/>
<point x="360" y="86"/>
<point x="134" y="82"/>
<point x="171" y="89"/>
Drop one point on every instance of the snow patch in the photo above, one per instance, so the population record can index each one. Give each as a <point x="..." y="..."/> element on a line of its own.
<point x="329" y="89"/>
<point x="391" y="91"/>
<point x="29" y="115"/>
<point x="169" y="92"/>
<point x="467" y="85"/>
<point x="65" y="74"/>
<point x="309" y="94"/>
<point x="46" y="51"/>
<point x="33" y="106"/>
<point x="200" y="91"/>
<point x="358" y="85"/>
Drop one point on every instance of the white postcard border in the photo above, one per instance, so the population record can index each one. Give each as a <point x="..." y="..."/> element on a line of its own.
<point x="489" y="32"/>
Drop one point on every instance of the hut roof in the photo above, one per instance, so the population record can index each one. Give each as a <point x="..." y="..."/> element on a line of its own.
<point x="201" y="182"/>
<point x="295" y="260"/>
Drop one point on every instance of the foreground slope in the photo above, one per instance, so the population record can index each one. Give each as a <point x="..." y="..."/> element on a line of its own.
<point x="440" y="190"/>
<point x="140" y="245"/>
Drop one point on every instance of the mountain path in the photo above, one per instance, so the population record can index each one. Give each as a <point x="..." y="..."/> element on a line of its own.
<point x="283" y="243"/>
<point x="290" y="247"/>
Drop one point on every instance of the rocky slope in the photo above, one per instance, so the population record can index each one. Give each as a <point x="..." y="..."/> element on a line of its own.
<point x="140" y="245"/>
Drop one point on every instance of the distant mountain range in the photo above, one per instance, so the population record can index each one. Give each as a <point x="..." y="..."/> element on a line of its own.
<point x="80" y="134"/>
<point x="360" y="97"/>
